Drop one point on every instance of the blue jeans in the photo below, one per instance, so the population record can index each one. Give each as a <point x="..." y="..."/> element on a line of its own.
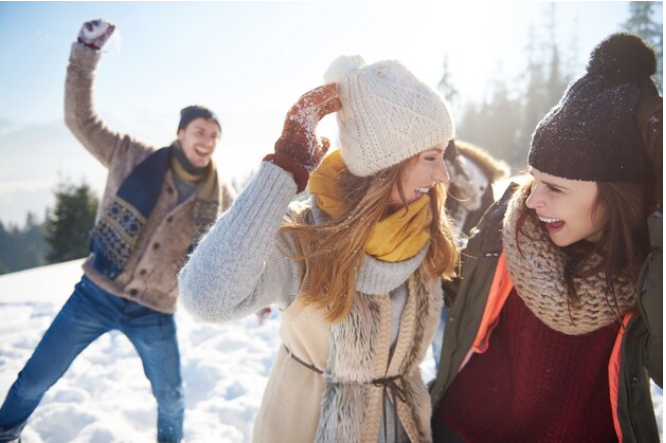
<point x="89" y="313"/>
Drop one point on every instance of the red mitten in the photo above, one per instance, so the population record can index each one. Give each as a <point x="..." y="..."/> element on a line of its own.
<point x="263" y="314"/>
<point x="298" y="150"/>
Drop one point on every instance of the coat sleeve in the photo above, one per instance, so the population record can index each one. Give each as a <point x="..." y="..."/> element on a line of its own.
<point x="240" y="266"/>
<point x="651" y="302"/>
<point x="81" y="117"/>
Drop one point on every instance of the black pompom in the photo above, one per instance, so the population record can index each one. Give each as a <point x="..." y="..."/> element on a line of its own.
<point x="624" y="57"/>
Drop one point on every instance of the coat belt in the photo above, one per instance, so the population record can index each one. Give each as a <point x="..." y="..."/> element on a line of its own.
<point x="392" y="387"/>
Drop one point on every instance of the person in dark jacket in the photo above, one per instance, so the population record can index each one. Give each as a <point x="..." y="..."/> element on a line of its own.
<point x="473" y="175"/>
<point x="156" y="206"/>
<point x="556" y="320"/>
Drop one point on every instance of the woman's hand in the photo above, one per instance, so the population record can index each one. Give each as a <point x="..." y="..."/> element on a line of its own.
<point x="298" y="150"/>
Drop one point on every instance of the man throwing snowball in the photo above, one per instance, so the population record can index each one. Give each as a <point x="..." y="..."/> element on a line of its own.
<point x="156" y="206"/>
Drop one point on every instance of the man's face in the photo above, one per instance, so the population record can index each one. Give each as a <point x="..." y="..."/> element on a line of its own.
<point x="198" y="140"/>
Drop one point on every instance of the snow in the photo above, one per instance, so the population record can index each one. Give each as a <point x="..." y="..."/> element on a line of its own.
<point x="104" y="397"/>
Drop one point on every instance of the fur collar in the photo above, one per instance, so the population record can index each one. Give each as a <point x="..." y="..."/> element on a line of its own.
<point x="352" y="403"/>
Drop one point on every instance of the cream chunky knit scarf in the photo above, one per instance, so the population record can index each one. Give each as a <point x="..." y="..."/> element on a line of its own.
<point x="538" y="276"/>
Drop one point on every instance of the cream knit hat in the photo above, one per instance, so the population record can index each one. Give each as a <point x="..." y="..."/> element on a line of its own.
<point x="387" y="115"/>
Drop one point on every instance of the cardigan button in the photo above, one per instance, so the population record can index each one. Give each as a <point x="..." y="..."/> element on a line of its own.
<point x="452" y="319"/>
<point x="134" y="292"/>
<point x="156" y="246"/>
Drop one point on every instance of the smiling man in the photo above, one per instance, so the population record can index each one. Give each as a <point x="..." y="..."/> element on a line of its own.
<point x="156" y="206"/>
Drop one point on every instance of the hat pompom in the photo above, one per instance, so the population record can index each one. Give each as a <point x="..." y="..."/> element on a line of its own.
<point x="342" y="65"/>
<point x="623" y="56"/>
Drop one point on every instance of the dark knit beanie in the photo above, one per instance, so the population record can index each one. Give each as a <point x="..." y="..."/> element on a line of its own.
<point x="592" y="133"/>
<point x="195" y="111"/>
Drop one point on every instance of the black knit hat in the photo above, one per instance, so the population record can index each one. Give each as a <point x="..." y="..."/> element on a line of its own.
<point x="592" y="134"/>
<point x="190" y="113"/>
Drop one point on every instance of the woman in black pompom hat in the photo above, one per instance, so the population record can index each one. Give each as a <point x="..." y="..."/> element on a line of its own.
<point x="556" y="321"/>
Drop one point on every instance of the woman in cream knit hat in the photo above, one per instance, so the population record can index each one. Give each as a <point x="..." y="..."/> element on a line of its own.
<point x="356" y="268"/>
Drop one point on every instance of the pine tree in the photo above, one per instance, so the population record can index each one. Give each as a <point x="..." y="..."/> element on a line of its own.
<point x="35" y="247"/>
<point x="534" y="97"/>
<point x="22" y="248"/>
<point x="545" y="78"/>
<point x="492" y="125"/>
<point x="641" y="23"/>
<point x="445" y="85"/>
<point x="4" y="242"/>
<point x="502" y="115"/>
<point x="504" y="121"/>
<point x="557" y="82"/>
<point x="68" y="226"/>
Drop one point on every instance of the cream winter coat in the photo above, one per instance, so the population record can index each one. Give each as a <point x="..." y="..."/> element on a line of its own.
<point x="240" y="267"/>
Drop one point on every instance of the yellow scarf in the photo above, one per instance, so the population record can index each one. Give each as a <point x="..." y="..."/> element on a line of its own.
<point x="398" y="237"/>
<point x="208" y="197"/>
<point x="210" y="189"/>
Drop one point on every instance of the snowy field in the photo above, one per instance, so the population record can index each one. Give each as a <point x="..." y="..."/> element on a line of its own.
<point x="104" y="397"/>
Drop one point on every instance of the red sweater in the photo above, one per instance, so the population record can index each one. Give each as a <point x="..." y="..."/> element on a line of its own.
<point x="533" y="384"/>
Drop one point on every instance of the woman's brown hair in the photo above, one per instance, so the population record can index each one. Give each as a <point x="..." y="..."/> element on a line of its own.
<point x="624" y="242"/>
<point x="334" y="251"/>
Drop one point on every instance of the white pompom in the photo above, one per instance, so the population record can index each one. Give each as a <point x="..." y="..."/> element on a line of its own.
<point x="341" y="66"/>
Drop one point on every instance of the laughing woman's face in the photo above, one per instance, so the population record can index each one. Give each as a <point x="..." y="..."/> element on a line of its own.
<point x="567" y="208"/>
<point x="420" y="174"/>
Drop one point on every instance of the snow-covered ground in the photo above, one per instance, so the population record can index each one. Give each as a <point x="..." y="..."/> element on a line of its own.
<point x="104" y="396"/>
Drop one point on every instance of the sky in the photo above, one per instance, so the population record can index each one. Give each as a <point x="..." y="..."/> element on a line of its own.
<point x="104" y="396"/>
<point x="248" y="61"/>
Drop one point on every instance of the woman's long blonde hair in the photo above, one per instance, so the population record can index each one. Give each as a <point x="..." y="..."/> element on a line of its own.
<point x="334" y="251"/>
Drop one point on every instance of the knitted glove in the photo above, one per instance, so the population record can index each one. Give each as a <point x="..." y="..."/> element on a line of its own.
<point x="94" y="34"/>
<point x="298" y="150"/>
